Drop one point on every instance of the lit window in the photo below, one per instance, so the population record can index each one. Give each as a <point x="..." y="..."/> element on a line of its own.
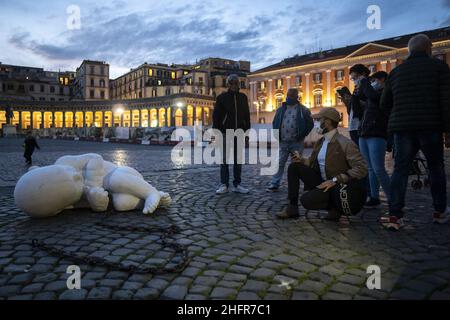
<point x="173" y="75"/>
<point x="150" y="72"/>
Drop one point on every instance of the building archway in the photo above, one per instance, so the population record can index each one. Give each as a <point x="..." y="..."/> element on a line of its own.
<point x="178" y="118"/>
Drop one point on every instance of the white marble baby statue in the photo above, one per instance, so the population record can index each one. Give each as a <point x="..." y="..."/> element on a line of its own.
<point x="84" y="181"/>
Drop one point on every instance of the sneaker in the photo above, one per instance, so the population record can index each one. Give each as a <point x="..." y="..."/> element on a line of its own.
<point x="440" y="217"/>
<point x="372" y="203"/>
<point x="392" y="222"/>
<point x="240" y="189"/>
<point x="272" y="188"/>
<point x="289" y="212"/>
<point x="222" y="189"/>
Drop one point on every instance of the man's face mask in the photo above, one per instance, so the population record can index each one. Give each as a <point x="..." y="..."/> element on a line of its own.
<point x="318" y="126"/>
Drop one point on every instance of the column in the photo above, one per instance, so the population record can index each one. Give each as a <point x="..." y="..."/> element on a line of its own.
<point x="184" y="111"/>
<point x="203" y="114"/>
<point x="393" y="63"/>
<point x="383" y="65"/>
<point x="121" y="119"/>
<point x="158" y="123"/>
<point x="307" y="102"/>
<point x="103" y="119"/>
<point x="53" y="119"/>
<point x="84" y="119"/>
<point x="41" y="126"/>
<point x="31" y="120"/>
<point x="148" y="116"/>
<point x="270" y="92"/>
<point x="288" y="83"/>
<point x="328" y="102"/>
<point x="20" y="120"/>
<point x="64" y="119"/>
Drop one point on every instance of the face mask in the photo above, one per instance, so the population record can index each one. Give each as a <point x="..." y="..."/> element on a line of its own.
<point x="357" y="82"/>
<point x="318" y="128"/>
<point x="290" y="101"/>
<point x="377" y="85"/>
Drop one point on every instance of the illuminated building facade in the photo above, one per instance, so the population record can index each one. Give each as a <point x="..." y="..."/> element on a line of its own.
<point x="317" y="76"/>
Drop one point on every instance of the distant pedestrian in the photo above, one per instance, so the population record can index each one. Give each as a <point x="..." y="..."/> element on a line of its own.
<point x="417" y="98"/>
<point x="29" y="144"/>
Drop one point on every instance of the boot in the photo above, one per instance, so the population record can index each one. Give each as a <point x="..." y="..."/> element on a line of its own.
<point x="291" y="211"/>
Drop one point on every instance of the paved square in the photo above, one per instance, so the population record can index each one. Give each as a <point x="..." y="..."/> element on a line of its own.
<point x="238" y="249"/>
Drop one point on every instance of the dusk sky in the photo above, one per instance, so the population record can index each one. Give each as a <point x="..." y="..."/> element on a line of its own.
<point x="128" y="33"/>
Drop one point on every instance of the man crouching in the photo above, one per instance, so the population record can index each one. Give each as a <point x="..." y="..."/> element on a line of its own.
<point x="334" y="175"/>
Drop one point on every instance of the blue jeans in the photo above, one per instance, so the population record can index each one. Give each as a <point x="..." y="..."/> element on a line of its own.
<point x="406" y="146"/>
<point x="373" y="150"/>
<point x="285" y="149"/>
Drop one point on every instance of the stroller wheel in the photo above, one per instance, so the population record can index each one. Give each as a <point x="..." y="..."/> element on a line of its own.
<point x="416" y="184"/>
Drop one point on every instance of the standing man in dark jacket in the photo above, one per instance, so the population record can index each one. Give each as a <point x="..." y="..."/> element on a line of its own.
<point x="373" y="137"/>
<point x="417" y="97"/>
<point x="29" y="144"/>
<point x="231" y="111"/>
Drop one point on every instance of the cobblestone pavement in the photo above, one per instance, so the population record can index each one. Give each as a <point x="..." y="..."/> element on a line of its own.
<point x="238" y="249"/>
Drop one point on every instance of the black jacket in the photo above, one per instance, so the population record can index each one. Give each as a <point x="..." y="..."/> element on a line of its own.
<point x="231" y="111"/>
<point x="357" y="104"/>
<point x="417" y="95"/>
<point x="374" y="121"/>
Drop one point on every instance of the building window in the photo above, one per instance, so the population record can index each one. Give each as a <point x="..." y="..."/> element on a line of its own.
<point x="10" y="86"/>
<point x="339" y="76"/>
<point x="278" y="101"/>
<point x="52" y="99"/>
<point x="279" y="84"/>
<point x="92" y="82"/>
<point x="102" y="70"/>
<point x="41" y="99"/>
<point x="262" y="85"/>
<point x="91" y="94"/>
<point x="52" y="89"/>
<point x="92" y="69"/>
<point x="317" y="78"/>
<point x="200" y="81"/>
<point x="102" y="94"/>
<point x="102" y="83"/>
<point x="243" y="85"/>
<point x="154" y="93"/>
<point x="318" y="99"/>
<point x="168" y="92"/>
<point x="174" y="76"/>
<point x="298" y="81"/>
<point x="32" y="88"/>
<point x="21" y="87"/>
<point x="150" y="72"/>
<point x="61" y="90"/>
<point x="42" y="88"/>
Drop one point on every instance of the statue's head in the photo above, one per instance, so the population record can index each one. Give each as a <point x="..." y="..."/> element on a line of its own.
<point x="46" y="191"/>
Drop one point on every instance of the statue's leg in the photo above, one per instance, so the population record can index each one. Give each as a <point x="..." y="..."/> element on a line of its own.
<point x="126" y="202"/>
<point x="121" y="181"/>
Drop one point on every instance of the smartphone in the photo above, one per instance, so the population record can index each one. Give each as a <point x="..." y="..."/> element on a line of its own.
<point x="343" y="92"/>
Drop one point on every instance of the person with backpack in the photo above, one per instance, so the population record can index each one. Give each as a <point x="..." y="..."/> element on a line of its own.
<point x="294" y="122"/>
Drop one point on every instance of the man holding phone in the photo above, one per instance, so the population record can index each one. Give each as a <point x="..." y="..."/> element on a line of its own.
<point x="333" y="175"/>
